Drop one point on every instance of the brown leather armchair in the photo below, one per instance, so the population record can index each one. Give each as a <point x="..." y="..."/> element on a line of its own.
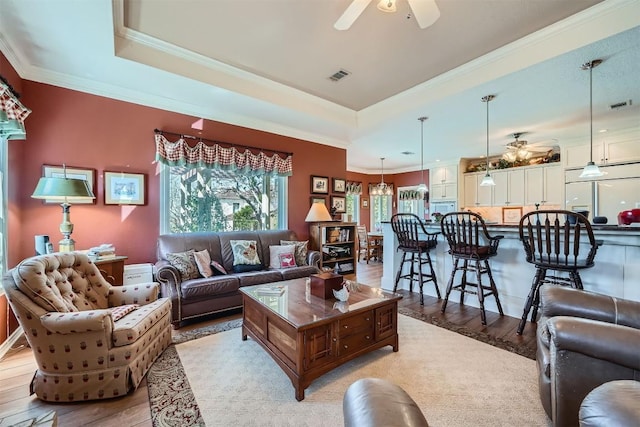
<point x="584" y="340"/>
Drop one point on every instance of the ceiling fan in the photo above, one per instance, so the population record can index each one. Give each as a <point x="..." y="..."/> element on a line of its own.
<point x="520" y="150"/>
<point x="426" y="12"/>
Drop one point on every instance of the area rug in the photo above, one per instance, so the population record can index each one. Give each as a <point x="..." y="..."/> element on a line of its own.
<point x="457" y="381"/>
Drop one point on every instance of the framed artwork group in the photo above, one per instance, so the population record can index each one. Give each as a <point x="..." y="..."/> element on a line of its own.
<point x="320" y="186"/>
<point x="119" y="188"/>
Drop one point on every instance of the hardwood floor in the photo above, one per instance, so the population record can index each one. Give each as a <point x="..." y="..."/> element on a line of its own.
<point x="17" y="368"/>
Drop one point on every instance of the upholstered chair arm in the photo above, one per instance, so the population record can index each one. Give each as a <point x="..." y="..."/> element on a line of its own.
<point x="584" y="354"/>
<point x="142" y="293"/>
<point x="78" y="322"/>
<point x="313" y="258"/>
<point x="565" y="301"/>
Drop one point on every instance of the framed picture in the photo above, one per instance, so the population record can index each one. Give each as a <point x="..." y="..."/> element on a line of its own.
<point x="122" y="188"/>
<point x="85" y="174"/>
<point x="339" y="185"/>
<point x="364" y="202"/>
<point x="511" y="215"/>
<point x="315" y="199"/>
<point x="319" y="185"/>
<point x="339" y="204"/>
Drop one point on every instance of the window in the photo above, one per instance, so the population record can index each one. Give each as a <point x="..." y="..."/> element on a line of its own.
<point x="3" y="205"/>
<point x="353" y="207"/>
<point x="380" y="211"/>
<point x="203" y="199"/>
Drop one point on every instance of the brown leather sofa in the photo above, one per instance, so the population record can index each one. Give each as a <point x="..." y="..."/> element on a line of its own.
<point x="198" y="297"/>
<point x="375" y="402"/>
<point x="91" y="340"/>
<point x="584" y="340"/>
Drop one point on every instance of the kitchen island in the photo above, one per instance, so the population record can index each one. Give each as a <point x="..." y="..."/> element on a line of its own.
<point x="616" y="271"/>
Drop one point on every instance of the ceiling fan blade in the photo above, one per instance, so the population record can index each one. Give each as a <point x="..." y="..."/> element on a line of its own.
<point x="351" y="14"/>
<point x="426" y="12"/>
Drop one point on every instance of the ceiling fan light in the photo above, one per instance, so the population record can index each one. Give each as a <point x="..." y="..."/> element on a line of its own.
<point x="509" y="157"/>
<point x="487" y="181"/>
<point x="388" y="6"/>
<point x="591" y="171"/>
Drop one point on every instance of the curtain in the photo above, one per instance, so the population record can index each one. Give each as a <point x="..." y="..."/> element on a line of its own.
<point x="413" y="195"/>
<point x="354" y="188"/>
<point x="179" y="153"/>
<point x="12" y="113"/>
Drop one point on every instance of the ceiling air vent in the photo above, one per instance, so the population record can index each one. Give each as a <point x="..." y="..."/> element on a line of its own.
<point x="622" y="104"/>
<point x="338" y="75"/>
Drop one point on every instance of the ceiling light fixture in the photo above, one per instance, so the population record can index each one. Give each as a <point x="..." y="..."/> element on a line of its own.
<point x="422" y="187"/>
<point x="382" y="189"/>
<point x="487" y="180"/>
<point x="388" y="6"/>
<point x="591" y="170"/>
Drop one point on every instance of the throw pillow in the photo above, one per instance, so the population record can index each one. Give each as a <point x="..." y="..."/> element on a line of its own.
<point x="203" y="261"/>
<point x="245" y="252"/>
<point x="119" y="312"/>
<point x="282" y="256"/>
<point x="301" y="250"/>
<point x="218" y="269"/>
<point x="244" y="268"/>
<point x="185" y="263"/>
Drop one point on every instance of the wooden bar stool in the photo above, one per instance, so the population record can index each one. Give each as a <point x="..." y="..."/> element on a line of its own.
<point x="415" y="248"/>
<point x="471" y="246"/>
<point x="556" y="240"/>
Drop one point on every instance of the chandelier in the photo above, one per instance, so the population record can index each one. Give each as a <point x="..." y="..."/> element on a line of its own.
<point x="382" y="189"/>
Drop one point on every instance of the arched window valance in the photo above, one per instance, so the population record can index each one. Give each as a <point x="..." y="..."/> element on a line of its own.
<point x="12" y="113"/>
<point x="354" y="188"/>
<point x="216" y="156"/>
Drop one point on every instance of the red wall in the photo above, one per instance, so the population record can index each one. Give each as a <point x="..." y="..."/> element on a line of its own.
<point x="90" y="131"/>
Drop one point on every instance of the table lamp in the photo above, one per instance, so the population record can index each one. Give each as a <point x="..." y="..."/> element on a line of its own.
<point x="317" y="213"/>
<point x="64" y="190"/>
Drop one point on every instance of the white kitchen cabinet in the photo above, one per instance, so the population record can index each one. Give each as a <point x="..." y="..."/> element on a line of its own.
<point x="603" y="153"/>
<point x="509" y="188"/>
<point x="446" y="174"/>
<point x="474" y="194"/>
<point x="443" y="181"/>
<point x="544" y="185"/>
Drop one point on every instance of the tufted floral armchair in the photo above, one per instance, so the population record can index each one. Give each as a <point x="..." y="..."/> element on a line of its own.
<point x="91" y="340"/>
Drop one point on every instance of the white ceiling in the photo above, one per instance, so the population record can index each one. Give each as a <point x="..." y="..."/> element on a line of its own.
<point x="265" y="64"/>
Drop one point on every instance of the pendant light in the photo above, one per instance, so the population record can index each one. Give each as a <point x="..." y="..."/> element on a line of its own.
<point x="591" y="170"/>
<point x="487" y="180"/>
<point x="382" y="189"/>
<point x="422" y="187"/>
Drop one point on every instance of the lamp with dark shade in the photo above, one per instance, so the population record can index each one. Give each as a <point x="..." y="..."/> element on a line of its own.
<point x="318" y="213"/>
<point x="64" y="190"/>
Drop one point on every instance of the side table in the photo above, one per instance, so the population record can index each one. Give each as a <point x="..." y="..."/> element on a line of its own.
<point x="112" y="269"/>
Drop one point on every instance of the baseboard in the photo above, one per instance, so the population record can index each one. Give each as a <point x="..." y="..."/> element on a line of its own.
<point x="6" y="346"/>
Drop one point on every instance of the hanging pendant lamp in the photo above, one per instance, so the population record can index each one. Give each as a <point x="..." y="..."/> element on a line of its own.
<point x="382" y="189"/>
<point x="422" y="187"/>
<point x="487" y="180"/>
<point x="591" y="170"/>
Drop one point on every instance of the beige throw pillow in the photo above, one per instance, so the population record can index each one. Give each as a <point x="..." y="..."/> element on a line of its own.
<point x="282" y="256"/>
<point x="203" y="262"/>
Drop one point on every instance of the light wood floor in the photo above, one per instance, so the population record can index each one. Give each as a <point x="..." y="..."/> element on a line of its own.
<point x="18" y="367"/>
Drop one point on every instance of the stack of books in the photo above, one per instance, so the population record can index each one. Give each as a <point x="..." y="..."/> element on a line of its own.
<point x="105" y="251"/>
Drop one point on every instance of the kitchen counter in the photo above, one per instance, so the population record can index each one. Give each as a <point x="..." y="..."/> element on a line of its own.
<point x="616" y="273"/>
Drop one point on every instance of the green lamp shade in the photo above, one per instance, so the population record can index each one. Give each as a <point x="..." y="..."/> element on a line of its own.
<point x="63" y="189"/>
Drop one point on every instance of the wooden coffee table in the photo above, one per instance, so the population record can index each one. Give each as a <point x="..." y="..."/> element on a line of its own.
<point x="308" y="336"/>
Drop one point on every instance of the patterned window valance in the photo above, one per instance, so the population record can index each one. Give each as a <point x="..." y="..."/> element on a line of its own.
<point x="412" y="195"/>
<point x="354" y="188"/>
<point x="215" y="156"/>
<point x="12" y="113"/>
